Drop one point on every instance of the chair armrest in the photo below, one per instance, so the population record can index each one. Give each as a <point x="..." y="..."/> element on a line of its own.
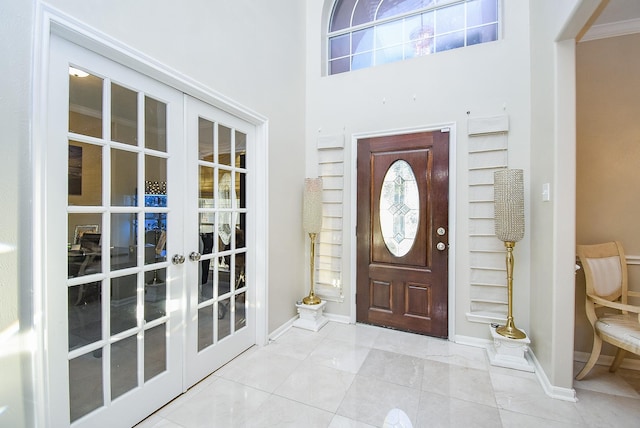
<point x="614" y="305"/>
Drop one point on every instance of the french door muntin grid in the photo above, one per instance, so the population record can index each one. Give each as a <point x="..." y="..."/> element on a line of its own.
<point x="234" y="215"/>
<point x="106" y="210"/>
<point x="377" y="24"/>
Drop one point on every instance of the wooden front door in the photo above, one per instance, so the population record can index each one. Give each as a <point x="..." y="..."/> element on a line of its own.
<point x="402" y="232"/>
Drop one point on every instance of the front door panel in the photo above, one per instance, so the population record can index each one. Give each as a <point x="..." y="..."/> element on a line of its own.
<point x="402" y="253"/>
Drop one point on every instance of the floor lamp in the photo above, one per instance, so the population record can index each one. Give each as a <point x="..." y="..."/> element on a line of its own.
<point x="508" y="194"/>
<point x="312" y="223"/>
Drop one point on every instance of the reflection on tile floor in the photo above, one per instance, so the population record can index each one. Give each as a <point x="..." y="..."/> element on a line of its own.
<point x="352" y="375"/>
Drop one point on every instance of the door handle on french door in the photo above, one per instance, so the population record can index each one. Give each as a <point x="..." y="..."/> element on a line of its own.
<point x="194" y="256"/>
<point x="441" y="246"/>
<point x="177" y="259"/>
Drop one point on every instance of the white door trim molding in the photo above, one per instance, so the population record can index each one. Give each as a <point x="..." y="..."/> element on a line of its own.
<point x="352" y="219"/>
<point x="48" y="21"/>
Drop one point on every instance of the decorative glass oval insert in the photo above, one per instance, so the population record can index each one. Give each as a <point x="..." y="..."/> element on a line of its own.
<point x="399" y="208"/>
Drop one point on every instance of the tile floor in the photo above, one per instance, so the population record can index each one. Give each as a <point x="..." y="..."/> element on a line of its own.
<point x="352" y="375"/>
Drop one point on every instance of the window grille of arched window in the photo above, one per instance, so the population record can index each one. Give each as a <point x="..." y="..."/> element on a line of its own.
<point x="364" y="33"/>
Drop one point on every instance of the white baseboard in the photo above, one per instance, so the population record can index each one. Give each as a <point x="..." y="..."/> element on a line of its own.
<point x="606" y="360"/>
<point x="342" y="319"/>
<point x="471" y="341"/>
<point x="280" y="330"/>
<point x="565" y="394"/>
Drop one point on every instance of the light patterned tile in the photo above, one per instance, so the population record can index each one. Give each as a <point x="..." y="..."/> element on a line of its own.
<point x="600" y="379"/>
<point x="183" y="398"/>
<point x="369" y="400"/>
<point x="339" y="355"/>
<point x="357" y="334"/>
<point x="395" y="368"/>
<point x="308" y="379"/>
<point x="281" y="412"/>
<point x="522" y="395"/>
<point x="458" y="382"/>
<point x="519" y="420"/>
<point x="343" y="422"/>
<point x="401" y="342"/>
<point x="604" y="410"/>
<point x="295" y="343"/>
<point x="260" y="369"/>
<point x="631" y="377"/>
<point x="317" y="386"/>
<point x="460" y="355"/>
<point x="437" y="410"/>
<point x="155" y="421"/>
<point x="225" y="402"/>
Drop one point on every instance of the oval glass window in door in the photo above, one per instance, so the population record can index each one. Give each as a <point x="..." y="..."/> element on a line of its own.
<point x="399" y="208"/>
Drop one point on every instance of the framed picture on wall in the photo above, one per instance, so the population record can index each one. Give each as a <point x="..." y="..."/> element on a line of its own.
<point x="82" y="229"/>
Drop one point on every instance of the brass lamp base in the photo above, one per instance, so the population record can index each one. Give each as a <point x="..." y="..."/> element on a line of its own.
<point x="311" y="299"/>
<point x="510" y="330"/>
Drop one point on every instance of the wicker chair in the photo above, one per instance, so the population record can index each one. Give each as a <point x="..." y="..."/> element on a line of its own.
<point x="618" y="323"/>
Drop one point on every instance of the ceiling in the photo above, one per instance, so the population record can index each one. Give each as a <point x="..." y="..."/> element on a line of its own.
<point x="618" y="18"/>
<point x="619" y="10"/>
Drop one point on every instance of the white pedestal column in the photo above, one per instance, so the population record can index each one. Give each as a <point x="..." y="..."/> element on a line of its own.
<point x="509" y="353"/>
<point x="311" y="316"/>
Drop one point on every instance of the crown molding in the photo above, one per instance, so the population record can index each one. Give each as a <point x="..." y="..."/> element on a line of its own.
<point x="614" y="29"/>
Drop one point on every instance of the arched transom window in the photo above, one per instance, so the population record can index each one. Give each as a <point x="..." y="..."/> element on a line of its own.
<point x="364" y="33"/>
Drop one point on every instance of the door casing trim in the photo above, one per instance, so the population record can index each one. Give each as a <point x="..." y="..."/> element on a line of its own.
<point x="48" y="21"/>
<point x="353" y="211"/>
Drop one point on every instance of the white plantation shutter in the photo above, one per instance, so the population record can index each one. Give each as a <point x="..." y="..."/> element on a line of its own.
<point x="488" y="277"/>
<point x="329" y="249"/>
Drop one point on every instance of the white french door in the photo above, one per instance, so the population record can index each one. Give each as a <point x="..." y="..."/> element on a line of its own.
<point x="219" y="230"/>
<point x="148" y="247"/>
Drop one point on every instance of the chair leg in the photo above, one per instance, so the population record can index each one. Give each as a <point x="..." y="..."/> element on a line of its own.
<point x="617" y="360"/>
<point x="595" y="353"/>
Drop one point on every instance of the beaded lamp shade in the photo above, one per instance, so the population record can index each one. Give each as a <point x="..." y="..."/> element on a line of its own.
<point x="312" y="205"/>
<point x="508" y="193"/>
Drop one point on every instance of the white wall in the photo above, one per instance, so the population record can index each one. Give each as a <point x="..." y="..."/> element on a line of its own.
<point x="16" y="389"/>
<point x="554" y="25"/>
<point x="484" y="80"/>
<point x="251" y="52"/>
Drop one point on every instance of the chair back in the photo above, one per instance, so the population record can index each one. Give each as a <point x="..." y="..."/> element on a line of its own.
<point x="605" y="270"/>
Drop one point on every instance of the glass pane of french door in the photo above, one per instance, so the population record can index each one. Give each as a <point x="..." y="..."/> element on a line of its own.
<point x="116" y="239"/>
<point x="220" y="282"/>
<point x="118" y="135"/>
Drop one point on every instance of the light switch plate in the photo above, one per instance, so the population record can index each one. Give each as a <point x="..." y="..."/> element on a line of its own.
<point x="546" y="192"/>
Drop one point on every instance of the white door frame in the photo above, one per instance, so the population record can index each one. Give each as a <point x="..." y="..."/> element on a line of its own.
<point x="51" y="21"/>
